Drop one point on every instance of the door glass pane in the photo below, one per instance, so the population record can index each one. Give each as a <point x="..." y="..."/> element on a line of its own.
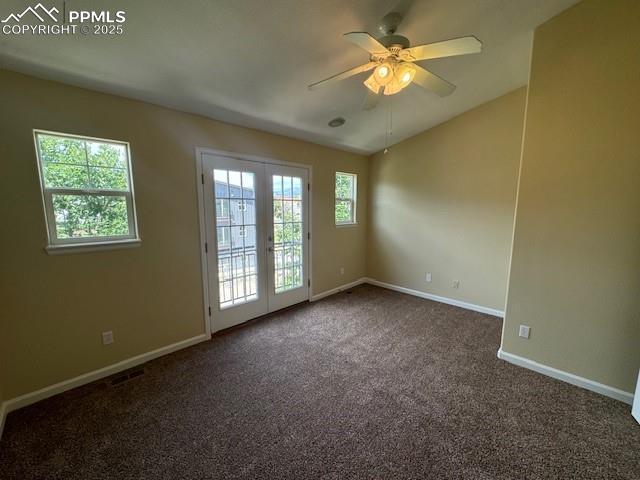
<point x="236" y="231"/>
<point x="287" y="232"/>
<point x="297" y="188"/>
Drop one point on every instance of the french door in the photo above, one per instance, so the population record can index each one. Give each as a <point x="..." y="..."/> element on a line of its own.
<point x="256" y="218"/>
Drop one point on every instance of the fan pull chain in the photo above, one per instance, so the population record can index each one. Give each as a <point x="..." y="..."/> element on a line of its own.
<point x="388" y="128"/>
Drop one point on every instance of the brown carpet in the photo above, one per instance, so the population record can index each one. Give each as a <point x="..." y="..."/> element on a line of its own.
<point x="373" y="384"/>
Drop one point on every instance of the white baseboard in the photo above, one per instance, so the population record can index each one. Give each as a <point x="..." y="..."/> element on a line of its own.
<point x="339" y="289"/>
<point x="33" y="397"/>
<point x="600" y="388"/>
<point x="635" y="411"/>
<point x="437" y="298"/>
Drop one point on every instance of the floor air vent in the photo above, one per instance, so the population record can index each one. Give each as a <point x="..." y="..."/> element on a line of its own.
<point x="126" y="376"/>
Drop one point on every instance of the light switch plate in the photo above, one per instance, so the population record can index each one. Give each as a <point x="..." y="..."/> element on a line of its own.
<point x="524" y="331"/>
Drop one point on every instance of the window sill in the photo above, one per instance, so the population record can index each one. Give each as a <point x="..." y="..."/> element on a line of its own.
<point x="92" y="247"/>
<point x="346" y="225"/>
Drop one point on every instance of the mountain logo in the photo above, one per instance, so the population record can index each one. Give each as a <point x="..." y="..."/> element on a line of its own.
<point x="39" y="11"/>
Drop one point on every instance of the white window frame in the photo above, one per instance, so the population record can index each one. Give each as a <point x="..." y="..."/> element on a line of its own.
<point x="62" y="245"/>
<point x="353" y="200"/>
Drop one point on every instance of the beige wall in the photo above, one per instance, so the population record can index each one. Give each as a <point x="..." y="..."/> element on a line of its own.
<point x="443" y="202"/>
<point x="575" y="274"/>
<point x="55" y="307"/>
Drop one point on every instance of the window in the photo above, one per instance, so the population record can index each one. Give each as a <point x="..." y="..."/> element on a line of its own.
<point x="86" y="189"/>
<point x="346" y="194"/>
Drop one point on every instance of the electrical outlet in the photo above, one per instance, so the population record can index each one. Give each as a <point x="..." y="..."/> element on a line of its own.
<point x="107" y="337"/>
<point x="427" y="277"/>
<point x="455" y="284"/>
<point x="524" y="331"/>
<point x="341" y="270"/>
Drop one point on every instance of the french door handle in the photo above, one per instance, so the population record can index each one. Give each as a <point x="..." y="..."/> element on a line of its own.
<point x="270" y="249"/>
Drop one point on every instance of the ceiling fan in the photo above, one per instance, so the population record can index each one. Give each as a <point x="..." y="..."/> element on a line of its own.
<point x="392" y="60"/>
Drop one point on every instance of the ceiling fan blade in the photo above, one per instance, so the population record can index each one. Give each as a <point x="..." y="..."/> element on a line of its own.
<point x="447" y="48"/>
<point x="341" y="76"/>
<point x="367" y="42"/>
<point x="430" y="81"/>
<point x="371" y="100"/>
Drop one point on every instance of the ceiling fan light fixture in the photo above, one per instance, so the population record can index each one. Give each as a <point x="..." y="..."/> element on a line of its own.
<point x="372" y="84"/>
<point x="402" y="76"/>
<point x="405" y="73"/>
<point x="384" y="73"/>
<point x="392" y="88"/>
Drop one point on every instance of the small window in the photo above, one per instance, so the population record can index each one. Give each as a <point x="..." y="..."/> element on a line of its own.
<point x="346" y="194"/>
<point x="86" y="189"/>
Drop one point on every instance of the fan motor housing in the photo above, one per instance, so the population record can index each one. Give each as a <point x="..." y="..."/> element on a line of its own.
<point x="395" y="40"/>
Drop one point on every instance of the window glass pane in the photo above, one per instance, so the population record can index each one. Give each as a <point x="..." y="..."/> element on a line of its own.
<point x="249" y="212"/>
<point x="221" y="186"/>
<point x="277" y="186"/>
<point x="252" y="285"/>
<point x="81" y="216"/>
<point x="297" y="211"/>
<point x="344" y="186"/>
<point x="248" y="185"/>
<point x="62" y="149"/>
<point x="278" y="233"/>
<point x="106" y="178"/>
<point x="237" y="211"/>
<point x="297" y="189"/>
<point x="288" y="233"/>
<point x="287" y="188"/>
<point x="296" y="233"/>
<point x="277" y="211"/>
<point x="225" y="294"/>
<point x="235" y="184"/>
<point x="62" y="175"/>
<point x="297" y="255"/>
<point x="238" y="265"/>
<point x="224" y="268"/>
<point x="238" y="289"/>
<point x="297" y="275"/>
<point x="250" y="237"/>
<point x="288" y="277"/>
<point x="222" y="211"/>
<point x="288" y="257"/>
<point x="237" y="238"/>
<point x="224" y="240"/>
<point x="287" y="212"/>
<point x="107" y="155"/>
<point x="250" y="263"/>
<point x="343" y="211"/>
<point x="278" y="254"/>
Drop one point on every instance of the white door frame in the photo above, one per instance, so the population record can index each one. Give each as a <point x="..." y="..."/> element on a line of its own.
<point x="206" y="307"/>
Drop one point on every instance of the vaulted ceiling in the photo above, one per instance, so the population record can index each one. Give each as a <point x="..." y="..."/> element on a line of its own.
<point x="249" y="62"/>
